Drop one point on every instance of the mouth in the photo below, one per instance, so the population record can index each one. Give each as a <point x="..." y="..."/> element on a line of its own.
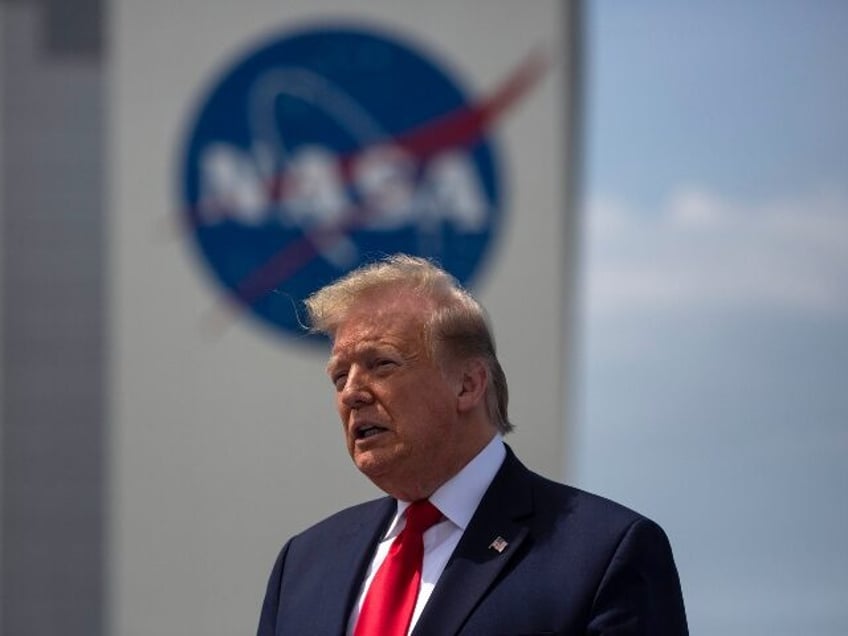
<point x="367" y="431"/>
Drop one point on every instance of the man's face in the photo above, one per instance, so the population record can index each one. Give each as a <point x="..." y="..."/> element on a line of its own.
<point x="398" y="407"/>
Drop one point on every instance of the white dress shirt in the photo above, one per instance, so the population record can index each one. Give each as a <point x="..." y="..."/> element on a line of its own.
<point x="457" y="499"/>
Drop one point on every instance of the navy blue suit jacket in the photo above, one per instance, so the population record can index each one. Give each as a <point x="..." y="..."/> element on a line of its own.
<point x="574" y="564"/>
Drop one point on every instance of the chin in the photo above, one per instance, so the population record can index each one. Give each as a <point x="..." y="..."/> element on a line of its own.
<point x="369" y="465"/>
<point x="381" y="472"/>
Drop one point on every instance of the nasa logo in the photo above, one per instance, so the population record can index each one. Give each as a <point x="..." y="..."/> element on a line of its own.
<point x="326" y="148"/>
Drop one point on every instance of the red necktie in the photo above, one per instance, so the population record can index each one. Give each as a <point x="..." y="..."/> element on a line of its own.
<point x="390" y="601"/>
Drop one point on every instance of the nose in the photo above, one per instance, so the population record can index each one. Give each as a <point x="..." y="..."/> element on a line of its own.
<point x="355" y="393"/>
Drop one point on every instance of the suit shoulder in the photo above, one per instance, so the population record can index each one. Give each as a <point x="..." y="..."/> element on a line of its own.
<point x="592" y="529"/>
<point x="554" y="498"/>
<point x="584" y="505"/>
<point x="349" y="518"/>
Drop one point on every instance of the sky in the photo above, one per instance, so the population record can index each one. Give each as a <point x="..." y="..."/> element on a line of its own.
<point x="714" y="299"/>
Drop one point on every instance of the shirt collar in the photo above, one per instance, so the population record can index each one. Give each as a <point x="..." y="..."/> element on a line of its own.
<point x="459" y="496"/>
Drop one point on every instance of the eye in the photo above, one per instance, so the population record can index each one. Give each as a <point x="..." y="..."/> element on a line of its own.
<point x="384" y="364"/>
<point x="339" y="380"/>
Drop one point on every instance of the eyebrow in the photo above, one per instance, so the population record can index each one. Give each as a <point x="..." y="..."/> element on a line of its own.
<point x="359" y="349"/>
<point x="337" y="359"/>
<point x="331" y="363"/>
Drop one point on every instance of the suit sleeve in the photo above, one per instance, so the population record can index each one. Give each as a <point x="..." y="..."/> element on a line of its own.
<point x="640" y="594"/>
<point x="268" y="617"/>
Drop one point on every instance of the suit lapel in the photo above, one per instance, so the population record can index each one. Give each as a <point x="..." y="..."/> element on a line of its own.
<point x="351" y="556"/>
<point x="492" y="539"/>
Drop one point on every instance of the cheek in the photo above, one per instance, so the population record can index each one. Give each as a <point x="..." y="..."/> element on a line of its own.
<point x="342" y="410"/>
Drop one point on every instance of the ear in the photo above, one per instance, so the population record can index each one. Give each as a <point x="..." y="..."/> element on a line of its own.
<point x="473" y="381"/>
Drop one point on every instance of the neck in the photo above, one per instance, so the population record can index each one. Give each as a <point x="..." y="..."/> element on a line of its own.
<point x="422" y="487"/>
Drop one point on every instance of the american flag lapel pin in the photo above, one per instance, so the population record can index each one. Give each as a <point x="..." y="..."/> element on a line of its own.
<point x="499" y="544"/>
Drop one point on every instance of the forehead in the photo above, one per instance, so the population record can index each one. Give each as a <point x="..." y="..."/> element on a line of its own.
<point x="395" y="320"/>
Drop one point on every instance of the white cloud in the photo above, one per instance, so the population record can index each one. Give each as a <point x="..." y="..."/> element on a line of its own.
<point x="702" y="251"/>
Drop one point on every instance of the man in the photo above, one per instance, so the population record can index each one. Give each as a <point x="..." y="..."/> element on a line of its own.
<point x="423" y="404"/>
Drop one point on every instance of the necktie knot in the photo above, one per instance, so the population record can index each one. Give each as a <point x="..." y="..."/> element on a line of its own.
<point x="422" y="515"/>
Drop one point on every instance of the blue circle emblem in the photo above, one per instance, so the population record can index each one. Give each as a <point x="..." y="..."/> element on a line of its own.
<point x="325" y="149"/>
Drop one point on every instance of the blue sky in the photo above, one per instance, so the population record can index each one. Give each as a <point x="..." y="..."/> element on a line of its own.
<point x="714" y="352"/>
<point x="748" y="96"/>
